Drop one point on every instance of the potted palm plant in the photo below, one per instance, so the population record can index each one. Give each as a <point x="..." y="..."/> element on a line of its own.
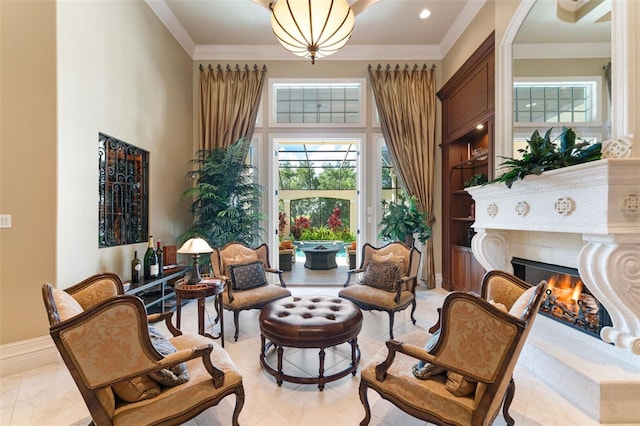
<point x="403" y="221"/>
<point x="225" y="199"/>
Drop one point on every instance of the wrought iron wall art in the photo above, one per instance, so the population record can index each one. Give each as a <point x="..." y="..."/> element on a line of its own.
<point x="123" y="188"/>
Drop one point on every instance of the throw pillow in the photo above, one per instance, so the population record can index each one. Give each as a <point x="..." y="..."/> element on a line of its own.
<point x="173" y="376"/>
<point x="65" y="303"/>
<point x="520" y="306"/>
<point x="384" y="275"/>
<point x="401" y="261"/>
<point x="499" y="305"/>
<point x="248" y="275"/>
<point x="458" y="385"/>
<point x="239" y="259"/>
<point x="136" y="389"/>
<point x="423" y="370"/>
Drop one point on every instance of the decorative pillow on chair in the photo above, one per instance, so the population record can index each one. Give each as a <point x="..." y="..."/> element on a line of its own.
<point x="173" y="376"/>
<point x="423" y="370"/>
<point x="458" y="385"/>
<point x="401" y="261"/>
<point x="521" y="305"/>
<point x="136" y="389"/>
<point x="247" y="275"/>
<point x="239" y="259"/>
<point x="384" y="275"/>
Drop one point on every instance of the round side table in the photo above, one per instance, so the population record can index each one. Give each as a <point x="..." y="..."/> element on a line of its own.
<point x="200" y="291"/>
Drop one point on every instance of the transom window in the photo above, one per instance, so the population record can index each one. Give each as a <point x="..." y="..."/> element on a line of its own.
<point x="317" y="103"/>
<point x="555" y="101"/>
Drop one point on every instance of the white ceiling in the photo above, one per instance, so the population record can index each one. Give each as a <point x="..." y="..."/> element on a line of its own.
<point x="384" y="29"/>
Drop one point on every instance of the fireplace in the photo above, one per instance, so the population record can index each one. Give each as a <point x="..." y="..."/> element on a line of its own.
<point x="584" y="217"/>
<point x="568" y="300"/>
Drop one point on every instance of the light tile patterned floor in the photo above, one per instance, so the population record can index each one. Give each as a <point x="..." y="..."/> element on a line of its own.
<point x="48" y="396"/>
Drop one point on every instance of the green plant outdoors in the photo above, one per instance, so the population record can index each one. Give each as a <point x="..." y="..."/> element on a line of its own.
<point x="404" y="219"/>
<point x="326" y="234"/>
<point x="542" y="154"/>
<point x="225" y="198"/>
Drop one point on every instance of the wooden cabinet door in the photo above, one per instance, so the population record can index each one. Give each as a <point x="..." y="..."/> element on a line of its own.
<point x="459" y="268"/>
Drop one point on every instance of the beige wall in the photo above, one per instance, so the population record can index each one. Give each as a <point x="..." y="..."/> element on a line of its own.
<point x="27" y="164"/>
<point x="298" y="68"/>
<point x="119" y="71"/>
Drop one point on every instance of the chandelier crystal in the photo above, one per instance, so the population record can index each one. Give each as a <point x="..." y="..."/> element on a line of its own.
<point x="312" y="28"/>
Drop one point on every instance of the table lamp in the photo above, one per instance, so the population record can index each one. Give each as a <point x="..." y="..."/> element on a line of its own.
<point x="195" y="246"/>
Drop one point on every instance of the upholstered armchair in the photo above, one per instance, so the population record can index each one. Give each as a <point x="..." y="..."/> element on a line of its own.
<point x="247" y="286"/>
<point x="389" y="280"/>
<point x="115" y="358"/>
<point x="470" y="359"/>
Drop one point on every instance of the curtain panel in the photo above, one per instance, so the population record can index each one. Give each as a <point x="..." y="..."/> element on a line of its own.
<point x="229" y="100"/>
<point x="406" y="102"/>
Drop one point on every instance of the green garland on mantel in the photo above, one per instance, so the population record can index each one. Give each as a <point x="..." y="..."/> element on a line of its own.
<point x="543" y="154"/>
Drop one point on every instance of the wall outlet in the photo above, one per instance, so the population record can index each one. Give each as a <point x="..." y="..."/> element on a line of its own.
<point x="5" y="221"/>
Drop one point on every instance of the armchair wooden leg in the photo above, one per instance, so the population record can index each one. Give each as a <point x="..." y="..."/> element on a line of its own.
<point x="413" y="311"/>
<point x="365" y="403"/>
<point x="236" y="322"/>
<point x="239" y="404"/>
<point x="508" y="397"/>
<point x="391" y="317"/>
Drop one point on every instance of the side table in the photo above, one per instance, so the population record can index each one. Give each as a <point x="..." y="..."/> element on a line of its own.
<point x="200" y="291"/>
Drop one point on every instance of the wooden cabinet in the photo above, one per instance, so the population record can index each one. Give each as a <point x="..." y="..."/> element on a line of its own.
<point x="467" y="152"/>
<point x="466" y="272"/>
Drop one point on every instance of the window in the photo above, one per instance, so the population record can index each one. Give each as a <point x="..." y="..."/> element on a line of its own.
<point x="316" y="103"/>
<point x="549" y="101"/>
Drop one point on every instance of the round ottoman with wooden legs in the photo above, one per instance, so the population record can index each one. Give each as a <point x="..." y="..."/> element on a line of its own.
<point x="309" y="322"/>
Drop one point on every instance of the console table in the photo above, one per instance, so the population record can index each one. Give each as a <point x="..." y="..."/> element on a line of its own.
<point x="146" y="289"/>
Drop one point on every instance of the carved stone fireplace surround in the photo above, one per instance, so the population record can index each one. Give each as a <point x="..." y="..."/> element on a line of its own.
<point x="601" y="202"/>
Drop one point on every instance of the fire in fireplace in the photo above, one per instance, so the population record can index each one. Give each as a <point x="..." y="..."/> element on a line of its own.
<point x="568" y="300"/>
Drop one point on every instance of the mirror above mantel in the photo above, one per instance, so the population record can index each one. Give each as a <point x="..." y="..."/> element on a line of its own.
<point x="561" y="70"/>
<point x="624" y="117"/>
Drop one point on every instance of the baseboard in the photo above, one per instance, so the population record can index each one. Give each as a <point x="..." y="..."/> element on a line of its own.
<point x="26" y="355"/>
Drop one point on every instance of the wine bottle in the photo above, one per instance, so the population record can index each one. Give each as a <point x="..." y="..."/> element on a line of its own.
<point x="160" y="258"/>
<point x="150" y="261"/>
<point x="135" y="268"/>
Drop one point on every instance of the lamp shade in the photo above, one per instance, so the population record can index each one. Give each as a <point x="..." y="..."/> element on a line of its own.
<point x="312" y="28"/>
<point x="195" y="246"/>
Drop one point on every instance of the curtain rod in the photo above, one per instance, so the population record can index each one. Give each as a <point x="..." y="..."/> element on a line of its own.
<point x="406" y="67"/>
<point x="228" y="67"/>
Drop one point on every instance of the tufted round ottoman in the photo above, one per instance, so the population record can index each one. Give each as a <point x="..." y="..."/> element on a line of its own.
<point x="309" y="322"/>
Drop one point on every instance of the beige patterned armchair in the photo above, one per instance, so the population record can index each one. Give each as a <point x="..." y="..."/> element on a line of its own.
<point x="245" y="291"/>
<point x="475" y="354"/>
<point x="389" y="280"/>
<point x="104" y="340"/>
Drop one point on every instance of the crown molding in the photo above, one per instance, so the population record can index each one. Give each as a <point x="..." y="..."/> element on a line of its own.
<point x="168" y="18"/>
<point x="461" y="23"/>
<point x="561" y="50"/>
<point x="213" y="52"/>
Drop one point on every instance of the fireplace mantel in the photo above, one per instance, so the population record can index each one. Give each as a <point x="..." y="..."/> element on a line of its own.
<point x="599" y="200"/>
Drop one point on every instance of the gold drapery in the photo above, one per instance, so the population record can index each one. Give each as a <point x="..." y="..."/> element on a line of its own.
<point x="406" y="102"/>
<point x="229" y="100"/>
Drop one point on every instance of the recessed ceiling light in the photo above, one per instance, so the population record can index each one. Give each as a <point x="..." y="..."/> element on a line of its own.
<point x="480" y="126"/>
<point x="425" y="13"/>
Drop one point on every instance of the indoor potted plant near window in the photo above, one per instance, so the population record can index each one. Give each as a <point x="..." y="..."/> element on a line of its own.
<point x="403" y="221"/>
<point x="225" y="199"/>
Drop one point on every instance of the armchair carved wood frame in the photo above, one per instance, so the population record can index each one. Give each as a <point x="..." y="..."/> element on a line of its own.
<point x="105" y="341"/>
<point x="477" y="340"/>
<point x="374" y="299"/>
<point x="255" y="298"/>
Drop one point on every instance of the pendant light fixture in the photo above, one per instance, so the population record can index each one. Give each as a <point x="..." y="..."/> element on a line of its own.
<point x="312" y="28"/>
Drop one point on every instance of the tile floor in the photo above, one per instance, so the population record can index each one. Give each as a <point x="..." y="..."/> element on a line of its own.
<point x="48" y="396"/>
